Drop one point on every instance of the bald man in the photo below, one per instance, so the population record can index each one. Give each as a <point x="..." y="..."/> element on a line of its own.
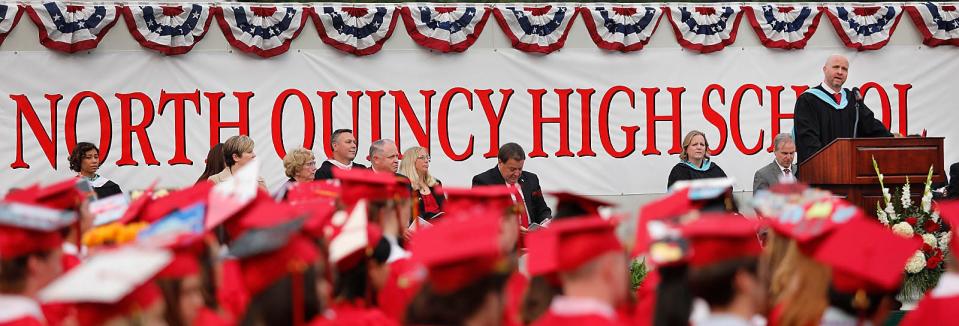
<point x="828" y="111"/>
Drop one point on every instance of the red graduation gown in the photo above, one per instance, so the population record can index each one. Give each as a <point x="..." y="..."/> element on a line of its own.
<point x="516" y="287"/>
<point x="567" y="311"/>
<point x="353" y="314"/>
<point x="23" y="321"/>
<point x="404" y="281"/>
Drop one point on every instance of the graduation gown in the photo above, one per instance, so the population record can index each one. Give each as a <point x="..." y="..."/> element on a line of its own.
<point x="819" y="120"/>
<point x="567" y="311"/>
<point x="939" y="305"/>
<point x="516" y="286"/>
<point x="686" y="171"/>
<point x="350" y="314"/>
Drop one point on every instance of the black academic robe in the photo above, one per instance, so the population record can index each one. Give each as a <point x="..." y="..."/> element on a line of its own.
<point x="326" y="170"/>
<point x="107" y="189"/>
<point x="818" y="123"/>
<point x="683" y="171"/>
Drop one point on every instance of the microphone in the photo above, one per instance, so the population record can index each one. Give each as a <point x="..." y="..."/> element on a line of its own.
<point x="858" y="97"/>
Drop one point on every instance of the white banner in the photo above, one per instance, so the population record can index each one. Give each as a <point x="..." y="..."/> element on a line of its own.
<point x="157" y="113"/>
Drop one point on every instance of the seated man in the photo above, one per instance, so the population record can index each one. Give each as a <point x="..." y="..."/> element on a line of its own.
<point x="509" y="171"/>
<point x="780" y="169"/>
<point x="344" y="152"/>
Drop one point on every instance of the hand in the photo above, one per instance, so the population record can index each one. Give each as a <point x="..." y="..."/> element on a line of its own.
<point x="523" y="230"/>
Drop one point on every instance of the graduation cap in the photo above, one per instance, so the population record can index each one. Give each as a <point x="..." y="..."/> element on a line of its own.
<point x="268" y="254"/>
<point x="864" y="256"/>
<point x="659" y="222"/>
<point x="811" y="220"/>
<point x="109" y="209"/>
<point x="569" y="204"/>
<point x="26" y="229"/>
<point x="263" y="212"/>
<point x="359" y="184"/>
<point x="66" y="194"/>
<point x="489" y="199"/>
<point x="231" y="196"/>
<point x="666" y="244"/>
<point x="457" y="253"/>
<point x="352" y="238"/>
<point x="322" y="191"/>
<point x="568" y="244"/>
<point x="187" y="221"/>
<point x="151" y="210"/>
<point x="717" y="237"/>
<point x="709" y="194"/>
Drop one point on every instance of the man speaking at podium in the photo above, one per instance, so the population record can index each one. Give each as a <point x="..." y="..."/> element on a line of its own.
<point x="828" y="111"/>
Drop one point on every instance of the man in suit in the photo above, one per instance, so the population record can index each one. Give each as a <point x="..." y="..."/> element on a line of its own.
<point x="782" y="168"/>
<point x="344" y="151"/>
<point x="509" y="171"/>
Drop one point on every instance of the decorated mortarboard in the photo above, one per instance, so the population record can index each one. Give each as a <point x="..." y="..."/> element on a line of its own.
<point x="813" y="219"/>
<point x="357" y="184"/>
<point x="231" y="196"/>
<point x="568" y="244"/>
<point x="666" y="245"/>
<point x="716" y="237"/>
<point x="457" y="253"/>
<point x="772" y="202"/>
<point x="262" y="240"/>
<point x="187" y="221"/>
<point x="268" y="254"/>
<point x="659" y="221"/>
<point x="109" y="209"/>
<point x="352" y="238"/>
<point x="322" y="191"/>
<point x="570" y="204"/>
<point x="28" y="229"/>
<point x="155" y="209"/>
<point x="66" y="194"/>
<point x="863" y="256"/>
<point x="263" y="212"/>
<point x="138" y="202"/>
<point x="708" y="194"/>
<point x="108" y="276"/>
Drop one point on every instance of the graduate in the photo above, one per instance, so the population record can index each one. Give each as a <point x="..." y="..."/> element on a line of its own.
<point x="588" y="260"/>
<point x="828" y="111"/>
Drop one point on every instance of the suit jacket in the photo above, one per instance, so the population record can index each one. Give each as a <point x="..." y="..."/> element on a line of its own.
<point x="769" y="175"/>
<point x="532" y="193"/>
<point x="326" y="170"/>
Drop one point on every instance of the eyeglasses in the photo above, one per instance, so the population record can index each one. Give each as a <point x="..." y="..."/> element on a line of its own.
<point x="423" y="157"/>
<point x="310" y="163"/>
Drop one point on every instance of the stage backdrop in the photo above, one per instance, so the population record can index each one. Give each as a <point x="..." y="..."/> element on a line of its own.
<point x="592" y="120"/>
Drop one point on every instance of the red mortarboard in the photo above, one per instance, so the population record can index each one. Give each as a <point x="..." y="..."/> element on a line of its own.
<point x="669" y="209"/>
<point x="483" y="198"/>
<point x="949" y="211"/>
<point x="263" y="212"/>
<point x="268" y="254"/>
<point x="26" y="229"/>
<point x="141" y="298"/>
<point x="568" y="244"/>
<point x="66" y="194"/>
<point x="313" y="191"/>
<point x="365" y="184"/>
<point x="863" y="255"/>
<point x="351" y="237"/>
<point x="154" y="210"/>
<point x="814" y="219"/>
<point x="187" y="250"/>
<point x="570" y="204"/>
<point x="719" y="237"/>
<point x="457" y="252"/>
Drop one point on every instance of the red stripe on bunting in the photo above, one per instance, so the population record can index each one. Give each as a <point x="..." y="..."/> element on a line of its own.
<point x="167" y="50"/>
<point x="782" y="44"/>
<point x="225" y="28"/>
<point x="440" y="45"/>
<point x="858" y="46"/>
<point x="700" y="47"/>
<point x="613" y="46"/>
<point x="16" y="19"/>
<point x="349" y="48"/>
<point x="920" y="23"/>
<point x="528" y="47"/>
<point x="46" y="41"/>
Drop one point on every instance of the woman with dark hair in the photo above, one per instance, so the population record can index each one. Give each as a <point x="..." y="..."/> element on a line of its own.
<point x="695" y="162"/>
<point x="85" y="161"/>
<point x="214" y="163"/>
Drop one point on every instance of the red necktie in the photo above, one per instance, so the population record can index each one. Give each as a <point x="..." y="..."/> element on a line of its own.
<point x="838" y="97"/>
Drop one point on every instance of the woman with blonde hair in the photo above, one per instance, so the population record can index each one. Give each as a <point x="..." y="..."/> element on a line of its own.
<point x="800" y="288"/>
<point x="416" y="167"/>
<point x="237" y="152"/>
<point x="299" y="166"/>
<point x="694" y="160"/>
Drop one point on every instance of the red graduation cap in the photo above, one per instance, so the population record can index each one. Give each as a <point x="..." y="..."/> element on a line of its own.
<point x="261" y="213"/>
<point x="359" y="184"/>
<point x="26" y="229"/>
<point x="719" y="237"/>
<point x="568" y="244"/>
<point x="864" y="256"/>
<point x="571" y="204"/>
<point x="16" y="242"/>
<point x="153" y="210"/>
<point x="484" y="198"/>
<point x="322" y="191"/>
<point x="949" y="211"/>
<point x="814" y="219"/>
<point x="458" y="252"/>
<point x="352" y="238"/>
<point x="261" y="271"/>
<point x="66" y="194"/>
<point x="667" y="209"/>
<point x="187" y="249"/>
<point x="141" y="298"/>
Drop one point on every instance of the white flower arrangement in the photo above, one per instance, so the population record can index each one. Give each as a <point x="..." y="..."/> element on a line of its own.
<point x="903" y="229"/>
<point x="906" y="197"/>
<point x="883" y="218"/>
<point x="916" y="263"/>
<point x="930" y="240"/>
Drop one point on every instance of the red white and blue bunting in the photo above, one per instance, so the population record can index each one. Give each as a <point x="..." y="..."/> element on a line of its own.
<point x="621" y="28"/>
<point x="263" y="31"/>
<point x="540" y="29"/>
<point x="705" y="28"/>
<point x="72" y="28"/>
<point x="445" y="29"/>
<point x="864" y="27"/>
<point x="9" y="16"/>
<point x="783" y="27"/>
<point x="938" y="23"/>
<point x="357" y="29"/>
<point x="363" y="29"/>
<point x="170" y="30"/>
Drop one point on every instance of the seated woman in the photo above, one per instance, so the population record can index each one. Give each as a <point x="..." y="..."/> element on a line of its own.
<point x="300" y="166"/>
<point x="695" y="162"/>
<point x="85" y="160"/>
<point x="237" y="152"/>
<point x="416" y="167"/>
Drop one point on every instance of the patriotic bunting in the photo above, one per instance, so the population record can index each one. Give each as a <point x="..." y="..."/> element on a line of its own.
<point x="264" y="31"/>
<point x="938" y="23"/>
<point x="704" y="29"/>
<point x="71" y="28"/>
<point x="357" y="29"/>
<point x="9" y="16"/>
<point x="865" y="28"/>
<point x="536" y="29"/>
<point x="445" y="29"/>
<point x="783" y="27"/>
<point x="170" y="30"/>
<point x="621" y="28"/>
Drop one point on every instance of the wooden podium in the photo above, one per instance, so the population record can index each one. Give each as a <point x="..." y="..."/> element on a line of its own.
<point x="845" y="167"/>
